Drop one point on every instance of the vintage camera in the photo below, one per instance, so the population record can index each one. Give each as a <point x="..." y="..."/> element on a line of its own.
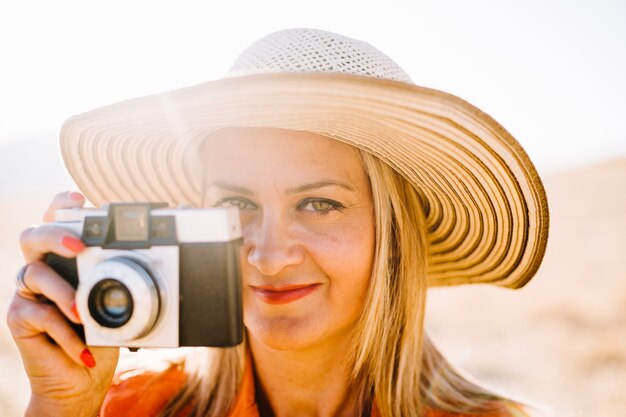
<point x="153" y="276"/>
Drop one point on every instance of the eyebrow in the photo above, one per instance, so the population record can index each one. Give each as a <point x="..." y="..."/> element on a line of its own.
<point x="319" y="184"/>
<point x="295" y="190"/>
<point x="230" y="187"/>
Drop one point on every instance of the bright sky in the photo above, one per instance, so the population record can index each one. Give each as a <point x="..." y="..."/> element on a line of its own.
<point x="552" y="72"/>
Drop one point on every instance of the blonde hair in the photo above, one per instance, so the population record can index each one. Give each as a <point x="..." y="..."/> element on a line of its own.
<point x="393" y="363"/>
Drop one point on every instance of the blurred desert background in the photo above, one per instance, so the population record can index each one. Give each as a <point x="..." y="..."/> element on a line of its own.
<point x="558" y="343"/>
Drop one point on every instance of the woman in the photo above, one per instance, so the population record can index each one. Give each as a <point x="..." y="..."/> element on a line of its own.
<point x="356" y="192"/>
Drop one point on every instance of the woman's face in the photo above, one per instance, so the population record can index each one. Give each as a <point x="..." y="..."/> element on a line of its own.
<point x="308" y="225"/>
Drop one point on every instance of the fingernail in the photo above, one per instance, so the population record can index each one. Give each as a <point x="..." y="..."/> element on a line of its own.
<point x="75" y="311"/>
<point x="73" y="244"/>
<point x="87" y="358"/>
<point x="76" y="196"/>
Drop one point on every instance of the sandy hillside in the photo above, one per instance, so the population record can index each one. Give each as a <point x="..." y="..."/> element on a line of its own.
<point x="560" y="341"/>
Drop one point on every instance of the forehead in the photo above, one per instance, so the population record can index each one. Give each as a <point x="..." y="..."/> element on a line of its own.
<point x="269" y="151"/>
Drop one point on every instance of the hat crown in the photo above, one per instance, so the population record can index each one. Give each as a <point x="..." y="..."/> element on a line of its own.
<point x="313" y="50"/>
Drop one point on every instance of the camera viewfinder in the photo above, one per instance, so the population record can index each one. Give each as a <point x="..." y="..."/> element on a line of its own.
<point x="132" y="223"/>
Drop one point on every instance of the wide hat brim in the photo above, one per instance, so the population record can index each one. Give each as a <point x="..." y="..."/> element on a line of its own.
<point x="485" y="205"/>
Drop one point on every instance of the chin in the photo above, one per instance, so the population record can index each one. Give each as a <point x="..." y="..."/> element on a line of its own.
<point x="285" y="332"/>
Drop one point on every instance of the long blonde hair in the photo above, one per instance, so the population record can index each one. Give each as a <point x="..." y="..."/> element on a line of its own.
<point x="393" y="363"/>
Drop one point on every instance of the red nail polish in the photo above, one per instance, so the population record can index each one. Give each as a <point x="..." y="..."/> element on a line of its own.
<point x="76" y="196"/>
<point x="75" y="311"/>
<point x="73" y="244"/>
<point x="87" y="358"/>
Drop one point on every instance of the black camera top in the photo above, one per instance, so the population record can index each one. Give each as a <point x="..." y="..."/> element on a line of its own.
<point x="130" y="226"/>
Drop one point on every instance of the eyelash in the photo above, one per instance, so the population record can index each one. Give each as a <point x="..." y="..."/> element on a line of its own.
<point x="227" y="202"/>
<point x="247" y="204"/>
<point x="334" y="205"/>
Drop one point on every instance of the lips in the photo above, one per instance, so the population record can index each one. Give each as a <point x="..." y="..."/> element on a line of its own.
<point x="283" y="294"/>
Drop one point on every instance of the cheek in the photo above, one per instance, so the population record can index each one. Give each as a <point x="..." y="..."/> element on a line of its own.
<point x="340" y="253"/>
<point x="346" y="257"/>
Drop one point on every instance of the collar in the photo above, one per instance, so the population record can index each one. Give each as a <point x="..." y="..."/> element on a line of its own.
<point x="245" y="402"/>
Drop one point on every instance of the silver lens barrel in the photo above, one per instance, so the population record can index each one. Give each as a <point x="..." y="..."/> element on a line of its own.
<point x="120" y="298"/>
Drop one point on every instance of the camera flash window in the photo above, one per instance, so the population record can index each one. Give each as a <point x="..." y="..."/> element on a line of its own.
<point x="94" y="229"/>
<point x="163" y="230"/>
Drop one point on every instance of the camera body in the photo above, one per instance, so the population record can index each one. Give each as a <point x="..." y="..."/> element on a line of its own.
<point x="153" y="276"/>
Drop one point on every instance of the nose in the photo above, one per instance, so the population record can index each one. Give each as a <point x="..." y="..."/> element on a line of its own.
<point x="270" y="244"/>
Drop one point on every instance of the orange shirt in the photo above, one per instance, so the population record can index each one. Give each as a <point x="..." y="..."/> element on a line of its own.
<point x="145" y="393"/>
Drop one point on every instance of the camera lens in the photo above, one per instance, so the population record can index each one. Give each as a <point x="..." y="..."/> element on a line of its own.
<point x="117" y="301"/>
<point x="122" y="299"/>
<point x="110" y="303"/>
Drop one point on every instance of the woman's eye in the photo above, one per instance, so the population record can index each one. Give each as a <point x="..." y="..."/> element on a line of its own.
<point x="238" y="202"/>
<point x="320" y="206"/>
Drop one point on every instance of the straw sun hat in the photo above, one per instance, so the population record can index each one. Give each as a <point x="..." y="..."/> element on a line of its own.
<point x="486" y="208"/>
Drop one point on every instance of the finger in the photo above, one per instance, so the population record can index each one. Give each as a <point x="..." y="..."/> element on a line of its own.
<point x="68" y="199"/>
<point x="39" y="240"/>
<point x="43" y="280"/>
<point x="32" y="322"/>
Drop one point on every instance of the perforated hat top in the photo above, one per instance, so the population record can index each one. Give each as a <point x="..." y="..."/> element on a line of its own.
<point x="311" y="50"/>
<point x="485" y="206"/>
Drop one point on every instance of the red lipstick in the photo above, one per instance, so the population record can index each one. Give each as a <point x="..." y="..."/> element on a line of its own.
<point x="283" y="295"/>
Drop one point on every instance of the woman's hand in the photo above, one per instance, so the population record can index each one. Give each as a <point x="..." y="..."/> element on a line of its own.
<point x="66" y="377"/>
